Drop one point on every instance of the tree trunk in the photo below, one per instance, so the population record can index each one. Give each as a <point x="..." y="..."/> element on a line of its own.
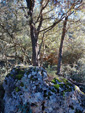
<point x="35" y="49"/>
<point x="61" y="45"/>
<point x="33" y="33"/>
<point x="35" y="46"/>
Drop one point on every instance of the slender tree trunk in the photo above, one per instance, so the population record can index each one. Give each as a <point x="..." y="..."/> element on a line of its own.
<point x="35" y="49"/>
<point x="61" y="45"/>
<point x="33" y="33"/>
<point x="35" y="46"/>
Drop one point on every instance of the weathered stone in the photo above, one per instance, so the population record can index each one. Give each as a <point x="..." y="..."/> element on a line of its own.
<point x="28" y="90"/>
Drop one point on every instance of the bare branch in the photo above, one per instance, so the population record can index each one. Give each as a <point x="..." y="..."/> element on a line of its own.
<point x="42" y="8"/>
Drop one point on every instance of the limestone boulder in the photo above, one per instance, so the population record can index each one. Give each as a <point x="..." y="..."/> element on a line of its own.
<point x="28" y="90"/>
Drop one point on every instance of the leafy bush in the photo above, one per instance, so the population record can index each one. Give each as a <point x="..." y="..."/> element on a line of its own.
<point x="75" y="71"/>
<point x="71" y="56"/>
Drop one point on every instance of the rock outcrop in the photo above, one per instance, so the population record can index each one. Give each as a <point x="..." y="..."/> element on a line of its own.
<point x="29" y="91"/>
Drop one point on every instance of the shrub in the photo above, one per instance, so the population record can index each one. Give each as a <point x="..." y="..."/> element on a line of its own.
<point x="75" y="71"/>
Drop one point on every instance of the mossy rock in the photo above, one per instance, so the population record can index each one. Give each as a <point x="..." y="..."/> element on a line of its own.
<point x="55" y="80"/>
<point x="64" y="80"/>
<point x="17" y="89"/>
<point x="20" y="71"/>
<point x="78" y="111"/>
<point x="64" y="84"/>
<point x="22" y="84"/>
<point x="19" y="76"/>
<point x="56" y="86"/>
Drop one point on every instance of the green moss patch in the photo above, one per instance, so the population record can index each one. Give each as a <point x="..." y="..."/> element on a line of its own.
<point x="20" y="73"/>
<point x="64" y="80"/>
<point x="55" y="80"/>
<point x="62" y="85"/>
<point x="17" y="89"/>
<point x="19" y="76"/>
<point x="21" y="84"/>
<point x="56" y="86"/>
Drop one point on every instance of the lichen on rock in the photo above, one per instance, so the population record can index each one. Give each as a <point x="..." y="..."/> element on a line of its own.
<point x="29" y="90"/>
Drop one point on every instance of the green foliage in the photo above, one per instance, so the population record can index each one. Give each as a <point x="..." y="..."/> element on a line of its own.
<point x="76" y="72"/>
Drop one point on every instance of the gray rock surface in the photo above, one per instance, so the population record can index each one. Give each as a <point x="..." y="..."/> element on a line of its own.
<point x="29" y="91"/>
